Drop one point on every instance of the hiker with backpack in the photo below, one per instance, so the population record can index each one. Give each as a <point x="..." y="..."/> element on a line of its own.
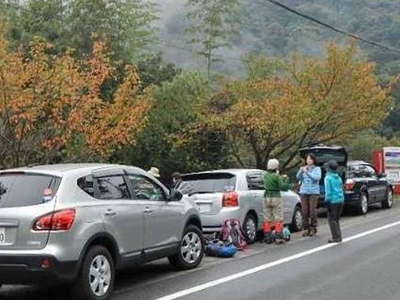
<point x="334" y="199"/>
<point x="273" y="203"/>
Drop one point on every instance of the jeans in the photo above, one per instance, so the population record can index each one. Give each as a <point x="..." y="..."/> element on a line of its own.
<point x="309" y="205"/>
<point x="334" y="213"/>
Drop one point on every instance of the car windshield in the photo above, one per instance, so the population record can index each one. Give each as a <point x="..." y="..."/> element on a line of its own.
<point x="211" y="182"/>
<point x="21" y="189"/>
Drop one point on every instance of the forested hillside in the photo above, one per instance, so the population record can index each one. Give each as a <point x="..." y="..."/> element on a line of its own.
<point x="188" y="58"/>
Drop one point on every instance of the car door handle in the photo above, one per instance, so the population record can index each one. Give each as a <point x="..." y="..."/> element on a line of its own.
<point x="148" y="210"/>
<point x="110" y="213"/>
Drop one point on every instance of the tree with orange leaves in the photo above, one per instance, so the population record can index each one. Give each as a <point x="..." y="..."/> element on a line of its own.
<point x="306" y="100"/>
<point x="50" y="103"/>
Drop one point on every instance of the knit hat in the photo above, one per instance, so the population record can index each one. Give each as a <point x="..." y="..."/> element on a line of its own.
<point x="273" y="164"/>
<point x="333" y="165"/>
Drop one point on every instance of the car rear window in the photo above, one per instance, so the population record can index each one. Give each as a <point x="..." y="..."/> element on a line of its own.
<point x="361" y="171"/>
<point x="211" y="182"/>
<point x="21" y="189"/>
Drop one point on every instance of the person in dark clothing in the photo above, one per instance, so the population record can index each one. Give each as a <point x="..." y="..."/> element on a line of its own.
<point x="179" y="185"/>
<point x="309" y="177"/>
<point x="176" y="180"/>
<point x="334" y="198"/>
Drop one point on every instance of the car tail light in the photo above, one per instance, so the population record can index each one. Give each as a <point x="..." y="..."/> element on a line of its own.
<point x="58" y="220"/>
<point x="230" y="199"/>
<point x="45" y="263"/>
<point x="349" y="185"/>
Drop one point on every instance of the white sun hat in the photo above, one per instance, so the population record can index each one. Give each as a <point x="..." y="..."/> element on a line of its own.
<point x="155" y="172"/>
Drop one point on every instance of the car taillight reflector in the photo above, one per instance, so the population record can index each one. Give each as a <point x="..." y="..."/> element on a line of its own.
<point x="230" y="199"/>
<point x="349" y="185"/>
<point x="59" y="220"/>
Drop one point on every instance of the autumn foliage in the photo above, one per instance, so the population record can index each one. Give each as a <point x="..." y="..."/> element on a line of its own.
<point x="48" y="103"/>
<point x="307" y="100"/>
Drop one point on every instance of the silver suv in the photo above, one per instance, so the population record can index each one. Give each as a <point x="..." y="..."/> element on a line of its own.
<point x="78" y="223"/>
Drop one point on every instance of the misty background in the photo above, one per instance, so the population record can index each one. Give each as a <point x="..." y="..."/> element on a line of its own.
<point x="266" y="29"/>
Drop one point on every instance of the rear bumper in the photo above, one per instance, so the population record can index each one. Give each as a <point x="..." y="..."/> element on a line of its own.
<point x="213" y="223"/>
<point x="28" y="269"/>
<point x="352" y="199"/>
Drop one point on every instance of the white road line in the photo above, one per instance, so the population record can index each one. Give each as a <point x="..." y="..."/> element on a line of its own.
<point x="213" y="283"/>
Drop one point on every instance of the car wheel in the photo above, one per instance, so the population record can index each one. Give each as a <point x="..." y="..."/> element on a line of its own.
<point x="388" y="202"/>
<point x="96" y="277"/>
<point x="297" y="220"/>
<point x="250" y="228"/>
<point x="362" y="208"/>
<point x="191" y="249"/>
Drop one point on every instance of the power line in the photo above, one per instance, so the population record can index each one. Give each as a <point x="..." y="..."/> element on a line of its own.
<point x="314" y="20"/>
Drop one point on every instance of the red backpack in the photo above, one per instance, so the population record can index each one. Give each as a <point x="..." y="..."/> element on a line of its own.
<point x="232" y="232"/>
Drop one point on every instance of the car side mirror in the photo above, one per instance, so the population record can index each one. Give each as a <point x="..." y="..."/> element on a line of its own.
<point x="175" y="195"/>
<point x="382" y="175"/>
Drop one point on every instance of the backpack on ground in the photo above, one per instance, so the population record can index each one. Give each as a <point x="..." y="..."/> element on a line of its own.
<point x="232" y="232"/>
<point x="218" y="248"/>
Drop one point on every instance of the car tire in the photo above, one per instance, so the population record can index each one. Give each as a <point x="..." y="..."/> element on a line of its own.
<point x="190" y="251"/>
<point x="97" y="261"/>
<point x="250" y="228"/>
<point x="388" y="202"/>
<point x="362" y="208"/>
<point x="297" y="220"/>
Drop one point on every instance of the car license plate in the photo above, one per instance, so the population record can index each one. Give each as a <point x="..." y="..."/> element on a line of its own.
<point x="2" y="235"/>
<point x="204" y="208"/>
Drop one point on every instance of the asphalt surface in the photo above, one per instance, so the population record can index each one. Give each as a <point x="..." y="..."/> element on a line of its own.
<point x="365" y="268"/>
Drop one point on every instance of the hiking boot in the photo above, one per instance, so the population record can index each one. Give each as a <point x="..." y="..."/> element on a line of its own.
<point x="268" y="238"/>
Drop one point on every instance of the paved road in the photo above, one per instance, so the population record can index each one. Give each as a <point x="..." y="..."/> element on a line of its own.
<point x="365" y="268"/>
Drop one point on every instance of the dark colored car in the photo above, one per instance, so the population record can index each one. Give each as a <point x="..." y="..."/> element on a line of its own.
<point x="364" y="186"/>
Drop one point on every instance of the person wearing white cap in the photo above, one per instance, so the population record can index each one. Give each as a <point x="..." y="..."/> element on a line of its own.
<point x="273" y="203"/>
<point x="154" y="172"/>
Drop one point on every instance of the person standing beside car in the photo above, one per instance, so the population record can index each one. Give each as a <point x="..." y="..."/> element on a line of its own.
<point x="309" y="177"/>
<point x="273" y="203"/>
<point x="334" y="199"/>
<point x="179" y="185"/>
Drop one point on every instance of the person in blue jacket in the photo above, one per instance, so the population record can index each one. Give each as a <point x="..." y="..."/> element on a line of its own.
<point x="334" y="198"/>
<point x="309" y="177"/>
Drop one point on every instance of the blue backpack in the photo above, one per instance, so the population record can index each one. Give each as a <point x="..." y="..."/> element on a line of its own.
<point x="220" y="249"/>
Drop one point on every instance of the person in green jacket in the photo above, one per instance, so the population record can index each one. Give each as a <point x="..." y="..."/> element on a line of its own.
<point x="273" y="203"/>
<point x="334" y="199"/>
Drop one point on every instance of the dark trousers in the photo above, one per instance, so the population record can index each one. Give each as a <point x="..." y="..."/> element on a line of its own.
<point x="334" y="213"/>
<point x="309" y="205"/>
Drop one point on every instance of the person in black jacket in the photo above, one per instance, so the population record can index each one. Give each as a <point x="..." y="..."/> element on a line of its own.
<point x="180" y="185"/>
